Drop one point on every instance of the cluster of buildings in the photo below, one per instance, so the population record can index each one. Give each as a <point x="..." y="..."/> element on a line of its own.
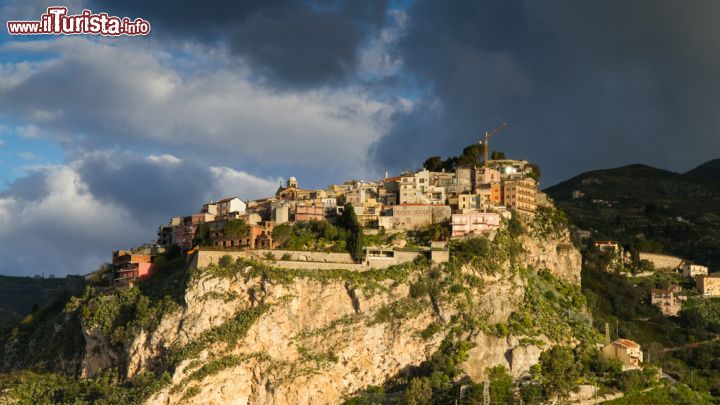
<point x="472" y="199"/>
<point x="669" y="300"/>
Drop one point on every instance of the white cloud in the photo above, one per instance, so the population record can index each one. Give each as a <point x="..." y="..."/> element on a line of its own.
<point x="65" y="230"/>
<point x="28" y="131"/>
<point x="125" y="93"/>
<point x="378" y="58"/>
<point x="27" y="155"/>
<point x="68" y="218"/>
<point x="230" y="182"/>
<point x="166" y="159"/>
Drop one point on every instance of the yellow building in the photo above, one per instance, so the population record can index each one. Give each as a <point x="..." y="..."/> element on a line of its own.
<point x="709" y="285"/>
<point x="470" y="202"/>
<point x="626" y="351"/>
<point x="520" y="194"/>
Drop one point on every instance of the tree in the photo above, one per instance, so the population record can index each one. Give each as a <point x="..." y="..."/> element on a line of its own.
<point x="236" y="229"/>
<point x="225" y="261"/>
<point x="202" y="235"/>
<point x="501" y="384"/>
<point x="281" y="234"/>
<point x="418" y="392"/>
<point x="472" y="155"/>
<point x="559" y="370"/>
<point x="349" y="221"/>
<point x="515" y="226"/>
<point x="536" y="173"/>
<point x="434" y="164"/>
<point x="497" y="155"/>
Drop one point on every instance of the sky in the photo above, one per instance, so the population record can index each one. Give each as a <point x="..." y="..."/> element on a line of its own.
<point x="104" y="138"/>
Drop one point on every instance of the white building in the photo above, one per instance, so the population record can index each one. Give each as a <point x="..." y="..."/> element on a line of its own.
<point x="471" y="222"/>
<point x="228" y="205"/>
<point x="693" y="270"/>
<point x="416" y="188"/>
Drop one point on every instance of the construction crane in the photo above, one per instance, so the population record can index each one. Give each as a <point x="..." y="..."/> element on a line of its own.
<point x="487" y="140"/>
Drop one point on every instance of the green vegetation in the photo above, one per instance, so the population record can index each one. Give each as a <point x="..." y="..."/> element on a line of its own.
<point x="472" y="155"/>
<point x="322" y="236"/>
<point x="29" y="387"/>
<point x="236" y="229"/>
<point x="120" y="314"/>
<point x="228" y="333"/>
<point x="49" y="338"/>
<point x="548" y="223"/>
<point x="685" y="346"/>
<point x="368" y="281"/>
<point x="431" y="382"/>
<point x="553" y="308"/>
<point x="202" y="235"/>
<point x="355" y="244"/>
<point x="311" y="235"/>
<point x="210" y="368"/>
<point x="487" y="256"/>
<point x="21" y="295"/>
<point x="645" y="204"/>
<point x="676" y="394"/>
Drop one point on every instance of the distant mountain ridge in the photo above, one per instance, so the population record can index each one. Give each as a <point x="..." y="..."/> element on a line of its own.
<point x="19" y="295"/>
<point x="660" y="210"/>
<point x="709" y="171"/>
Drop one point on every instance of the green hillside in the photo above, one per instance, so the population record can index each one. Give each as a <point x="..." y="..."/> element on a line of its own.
<point x="656" y="209"/>
<point x="19" y="295"/>
<point x="707" y="171"/>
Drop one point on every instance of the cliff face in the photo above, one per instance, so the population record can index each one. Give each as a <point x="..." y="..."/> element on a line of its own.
<point x="555" y="253"/>
<point x="313" y="344"/>
<point x="247" y="333"/>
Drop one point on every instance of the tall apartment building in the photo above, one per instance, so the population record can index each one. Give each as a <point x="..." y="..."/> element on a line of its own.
<point x="520" y="194"/>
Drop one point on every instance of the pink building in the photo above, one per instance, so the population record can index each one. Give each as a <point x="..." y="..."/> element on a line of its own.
<point x="468" y="223"/>
<point x="314" y="212"/>
<point x="131" y="267"/>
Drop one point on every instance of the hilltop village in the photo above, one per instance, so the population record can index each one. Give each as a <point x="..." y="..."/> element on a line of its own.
<point x="460" y="274"/>
<point x="467" y="200"/>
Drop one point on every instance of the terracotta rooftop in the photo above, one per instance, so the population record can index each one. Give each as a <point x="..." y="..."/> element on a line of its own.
<point x="627" y="343"/>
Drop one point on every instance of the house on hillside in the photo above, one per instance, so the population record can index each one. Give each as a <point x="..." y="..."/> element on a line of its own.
<point x="130" y="267"/>
<point x="626" y="351"/>
<point x="471" y="222"/>
<point x="668" y="300"/>
<point x="709" y="284"/>
<point x="229" y="205"/>
<point x="693" y="270"/>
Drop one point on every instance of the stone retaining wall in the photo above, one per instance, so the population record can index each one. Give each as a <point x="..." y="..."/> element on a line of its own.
<point x="662" y="261"/>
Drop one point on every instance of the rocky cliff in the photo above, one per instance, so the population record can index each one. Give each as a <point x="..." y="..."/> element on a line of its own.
<point x="249" y="333"/>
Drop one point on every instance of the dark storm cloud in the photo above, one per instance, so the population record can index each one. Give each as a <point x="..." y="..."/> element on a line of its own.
<point x="582" y="84"/>
<point x="149" y="190"/>
<point x="293" y="43"/>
